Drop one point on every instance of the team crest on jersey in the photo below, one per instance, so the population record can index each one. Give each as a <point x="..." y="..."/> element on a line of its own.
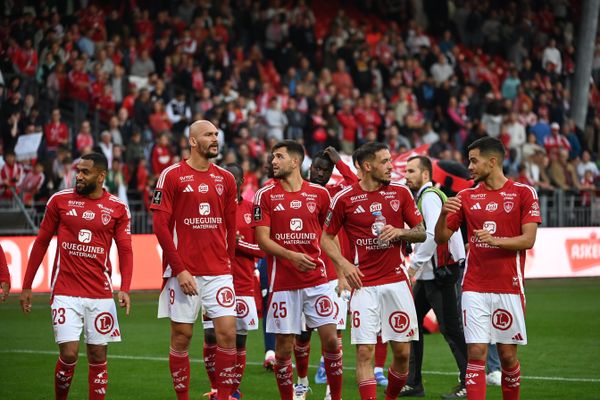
<point x="312" y="206"/>
<point x="508" y="206"/>
<point x="395" y="205"/>
<point x="105" y="218"/>
<point x="248" y="218"/>
<point x="219" y="188"/>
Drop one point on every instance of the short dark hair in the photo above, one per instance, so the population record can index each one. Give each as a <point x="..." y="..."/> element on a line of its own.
<point x="424" y="163"/>
<point x="99" y="160"/>
<point x="292" y="147"/>
<point x="366" y="152"/>
<point x="489" y="145"/>
<point x="323" y="156"/>
<point x="235" y="166"/>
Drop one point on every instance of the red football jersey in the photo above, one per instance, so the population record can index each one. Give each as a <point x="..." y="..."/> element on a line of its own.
<point x="502" y="212"/>
<point x="202" y="207"/>
<point x="246" y="252"/>
<point x="353" y="209"/>
<point x="296" y="222"/>
<point x="85" y="230"/>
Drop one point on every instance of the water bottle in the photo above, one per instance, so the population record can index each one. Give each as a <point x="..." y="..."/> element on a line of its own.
<point x="378" y="225"/>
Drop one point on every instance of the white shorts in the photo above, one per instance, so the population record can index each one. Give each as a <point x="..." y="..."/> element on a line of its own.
<point x="215" y="296"/>
<point x="285" y="311"/>
<point x="494" y="318"/>
<point x="341" y="307"/>
<point x="96" y="317"/>
<point x="389" y="309"/>
<point x="247" y="316"/>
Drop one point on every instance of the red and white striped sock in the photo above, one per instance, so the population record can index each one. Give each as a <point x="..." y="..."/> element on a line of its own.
<point x="179" y="364"/>
<point x="511" y="382"/>
<point x="208" y="353"/>
<point x="225" y="360"/>
<point x="334" y="370"/>
<point x="475" y="380"/>
<point x="98" y="381"/>
<point x="396" y="382"/>
<point x="284" y="375"/>
<point x="368" y="389"/>
<point x="63" y="375"/>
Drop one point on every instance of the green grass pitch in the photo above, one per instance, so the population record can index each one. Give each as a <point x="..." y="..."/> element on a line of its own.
<point x="562" y="360"/>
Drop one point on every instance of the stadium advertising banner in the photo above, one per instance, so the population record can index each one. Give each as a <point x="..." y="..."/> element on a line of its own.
<point x="558" y="253"/>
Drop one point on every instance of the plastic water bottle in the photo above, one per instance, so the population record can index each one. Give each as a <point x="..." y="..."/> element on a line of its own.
<point x="378" y="225"/>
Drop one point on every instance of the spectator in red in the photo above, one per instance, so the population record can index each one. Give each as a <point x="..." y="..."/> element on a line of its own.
<point x="162" y="156"/>
<point x="32" y="183"/>
<point x="11" y="175"/>
<point x="159" y="119"/>
<point x="342" y="80"/>
<point x="555" y="142"/>
<point x="25" y="60"/>
<point x="367" y="117"/>
<point x="56" y="133"/>
<point x="78" y="90"/>
<point x="349" y="127"/>
<point x="84" y="137"/>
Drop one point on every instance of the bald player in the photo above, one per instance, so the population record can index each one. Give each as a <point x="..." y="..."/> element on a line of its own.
<point x="194" y="205"/>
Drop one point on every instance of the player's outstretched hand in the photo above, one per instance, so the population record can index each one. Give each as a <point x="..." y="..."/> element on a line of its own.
<point x="124" y="301"/>
<point x="301" y="261"/>
<point x="26" y="300"/>
<point x="352" y="275"/>
<point x="452" y="205"/>
<point x="332" y="153"/>
<point x="390" y="233"/>
<point x="5" y="286"/>
<point x="187" y="283"/>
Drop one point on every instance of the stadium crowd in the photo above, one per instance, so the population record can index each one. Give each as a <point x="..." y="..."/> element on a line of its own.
<point x="127" y="80"/>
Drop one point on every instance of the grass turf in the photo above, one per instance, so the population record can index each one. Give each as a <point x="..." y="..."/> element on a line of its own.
<point x="561" y="361"/>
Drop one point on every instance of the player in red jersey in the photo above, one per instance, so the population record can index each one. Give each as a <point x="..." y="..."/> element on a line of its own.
<point x="289" y="215"/>
<point x="244" y="265"/>
<point x="194" y="206"/>
<point x="4" y="277"/>
<point x="502" y="217"/>
<point x="86" y="220"/>
<point x="373" y="213"/>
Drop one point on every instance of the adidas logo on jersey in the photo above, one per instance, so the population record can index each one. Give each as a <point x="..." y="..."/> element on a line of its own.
<point x="279" y="207"/>
<point x="72" y="213"/>
<point x="188" y="189"/>
<point x="359" y="210"/>
<point x="476" y="206"/>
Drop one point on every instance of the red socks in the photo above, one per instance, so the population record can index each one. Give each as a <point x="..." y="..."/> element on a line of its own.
<point x="368" y="389"/>
<point x="98" y="381"/>
<point x="63" y="374"/>
<point x="396" y="383"/>
<point x="179" y="363"/>
<point x="225" y="372"/>
<point x="301" y="353"/>
<point x="240" y="366"/>
<point x="284" y="375"/>
<point x="475" y="380"/>
<point x="380" y="353"/>
<point x="511" y="383"/>
<point x="334" y="371"/>
<point x="208" y="353"/>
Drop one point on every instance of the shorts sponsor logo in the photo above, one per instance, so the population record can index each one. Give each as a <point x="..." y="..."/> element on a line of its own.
<point x="491" y="207"/>
<point x="395" y="205"/>
<point x="324" y="306"/>
<point x="248" y="218"/>
<point x="312" y="206"/>
<point x="296" y="224"/>
<point x="89" y="215"/>
<point x="399" y="321"/>
<point x="490" y="226"/>
<point x="219" y="188"/>
<point x="203" y="188"/>
<point x="295" y="204"/>
<point x="375" y="207"/>
<point x="226" y="297"/>
<point x="502" y="319"/>
<point x="85" y="236"/>
<point x="104" y="323"/>
<point x="241" y="308"/>
<point x="204" y="209"/>
<point x="157" y="197"/>
<point x="105" y="218"/>
<point x="257" y="213"/>
<point x="508" y="206"/>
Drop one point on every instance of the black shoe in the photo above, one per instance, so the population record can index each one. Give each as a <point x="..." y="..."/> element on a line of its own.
<point x="412" y="391"/>
<point x="459" y="392"/>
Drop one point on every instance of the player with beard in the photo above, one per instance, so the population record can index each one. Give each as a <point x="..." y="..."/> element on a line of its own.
<point x="382" y="301"/>
<point x="194" y="206"/>
<point x="246" y="253"/>
<point x="502" y="217"/>
<point x="289" y="216"/>
<point x="86" y="220"/>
